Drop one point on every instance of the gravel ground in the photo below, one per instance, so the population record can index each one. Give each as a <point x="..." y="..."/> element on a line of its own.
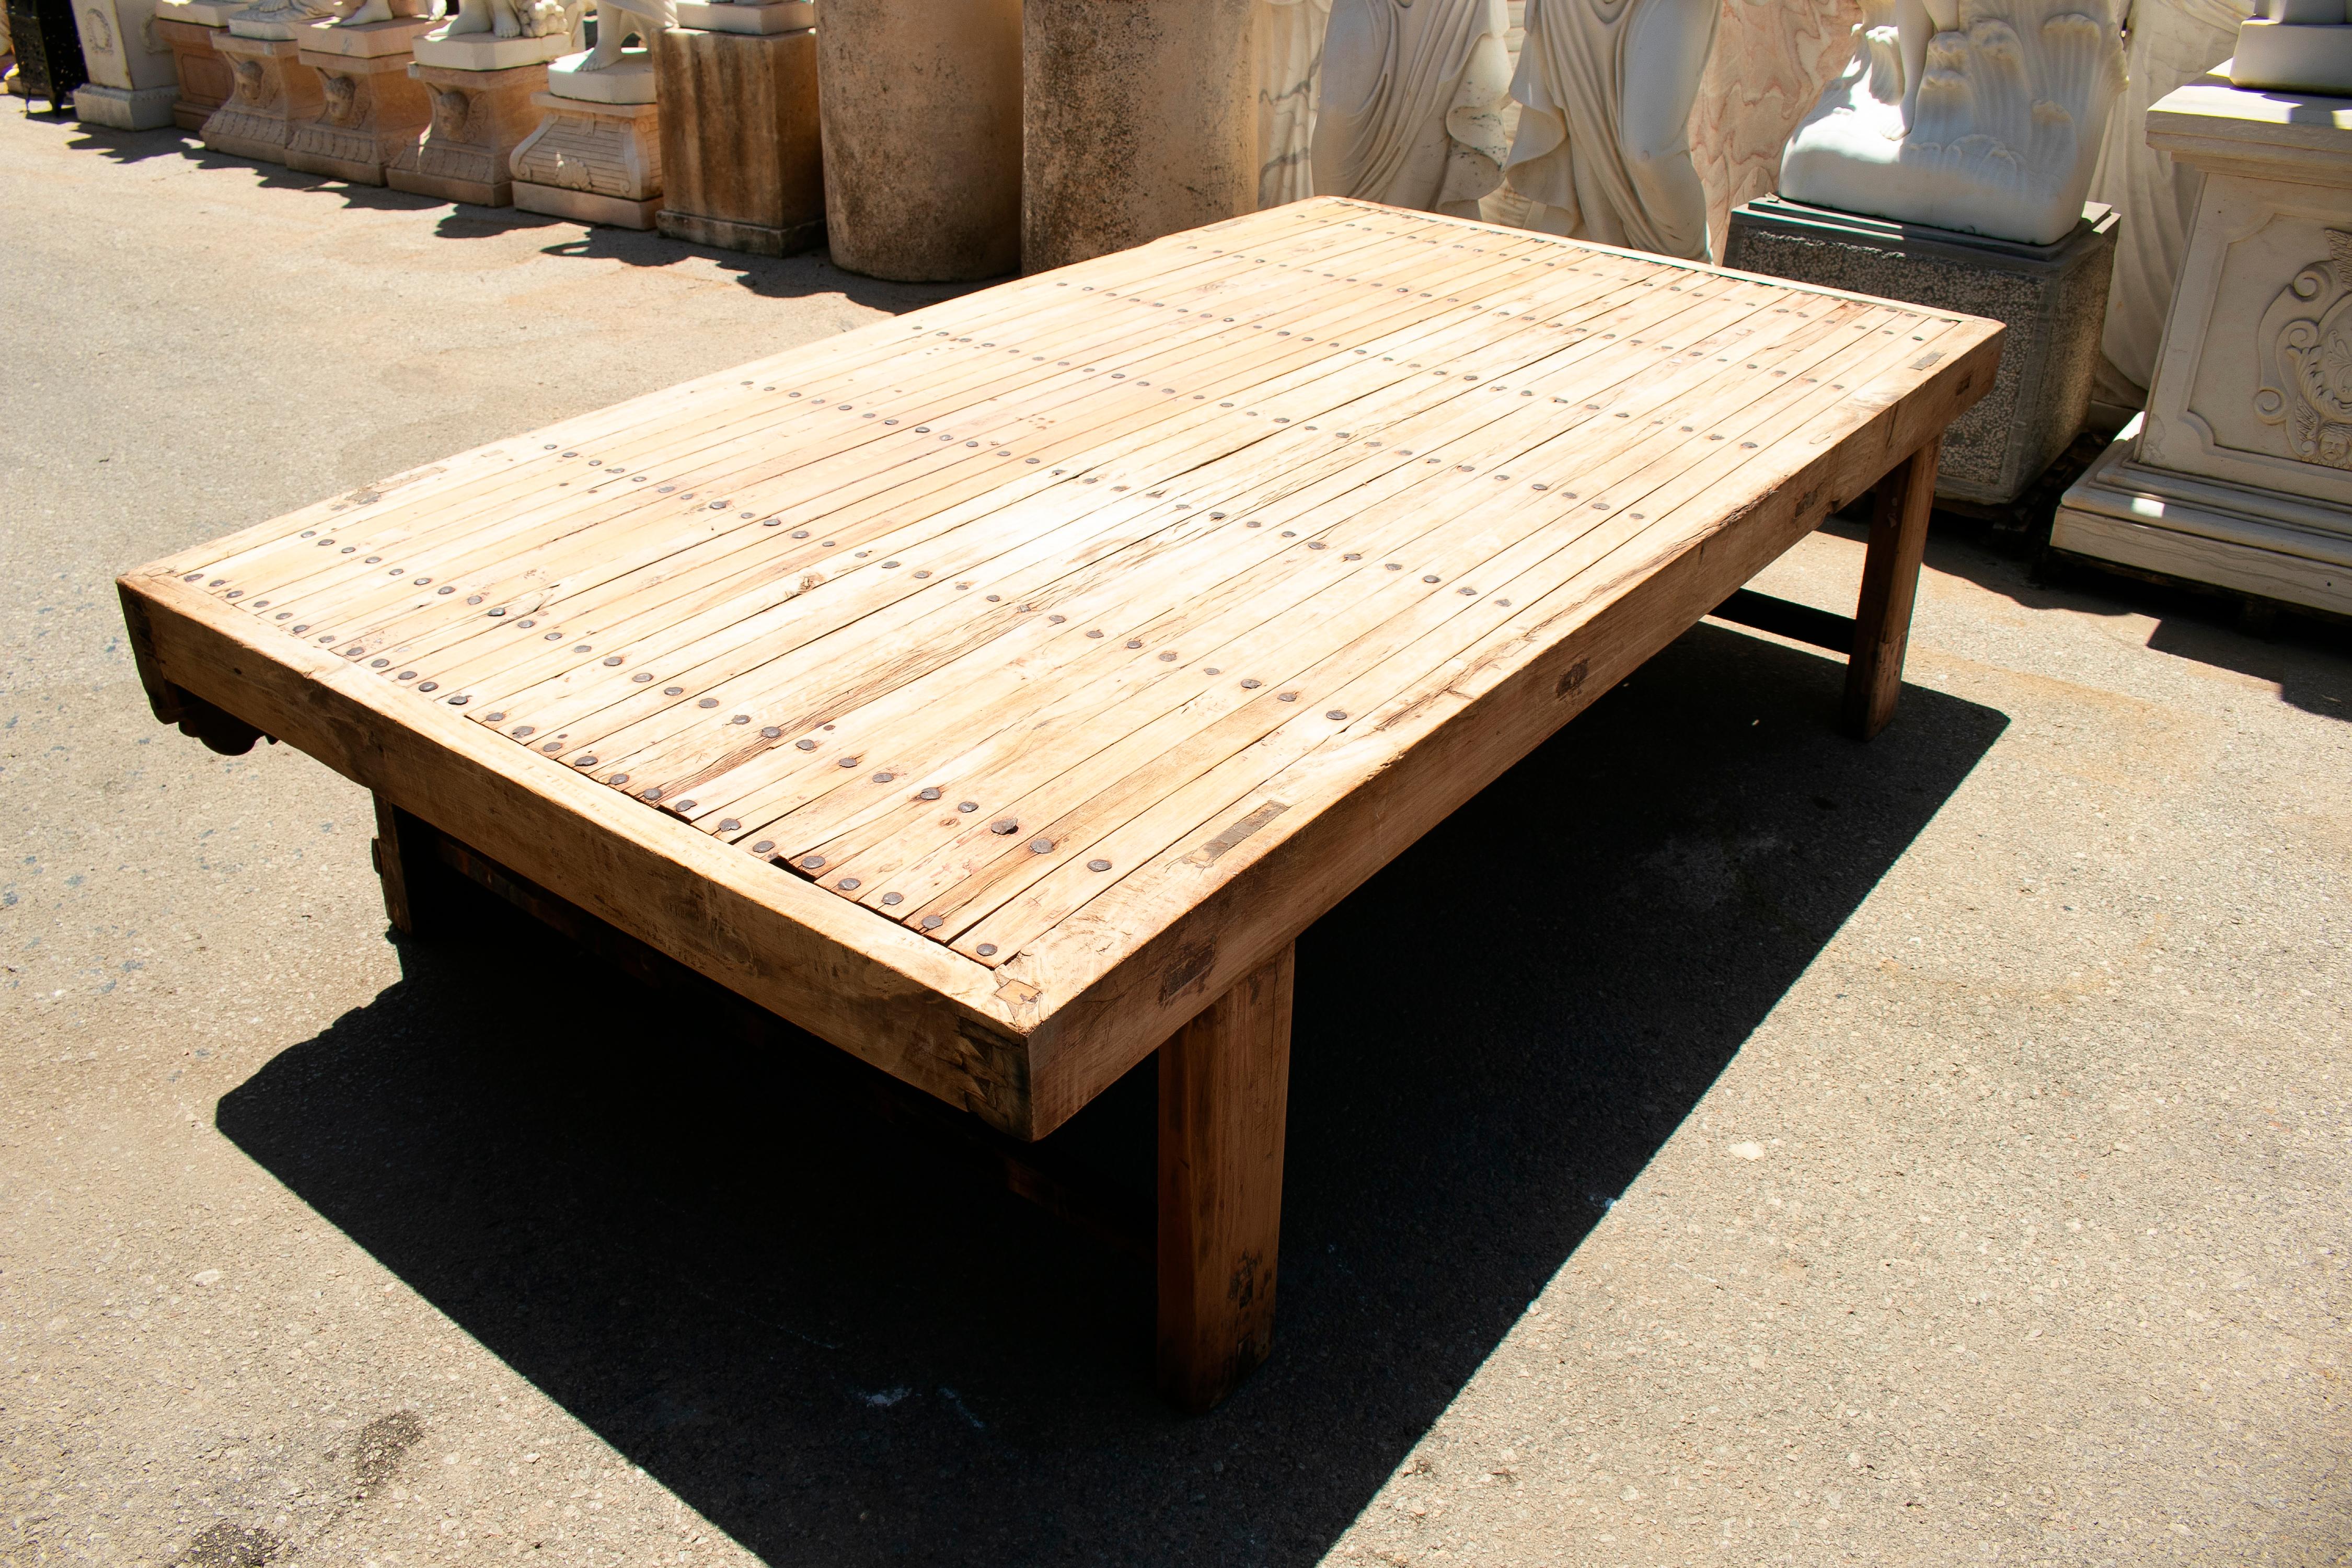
<point x="1720" y="1142"/>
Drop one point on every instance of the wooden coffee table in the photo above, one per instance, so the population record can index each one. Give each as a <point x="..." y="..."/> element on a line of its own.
<point x="997" y="691"/>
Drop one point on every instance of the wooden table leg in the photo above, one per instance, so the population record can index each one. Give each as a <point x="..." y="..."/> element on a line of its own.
<point x="405" y="864"/>
<point x="1225" y="1086"/>
<point x="1890" y="580"/>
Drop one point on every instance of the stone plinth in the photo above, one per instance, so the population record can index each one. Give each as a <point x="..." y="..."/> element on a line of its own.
<point x="205" y="80"/>
<point x="1139" y="117"/>
<point x="443" y="51"/>
<point x="752" y="16"/>
<point x="921" y="111"/>
<point x="132" y="85"/>
<point x="274" y="92"/>
<point x="2239" y="472"/>
<point x="2052" y="299"/>
<point x="740" y="167"/>
<point x="592" y="160"/>
<point x="477" y="118"/>
<point x="373" y="110"/>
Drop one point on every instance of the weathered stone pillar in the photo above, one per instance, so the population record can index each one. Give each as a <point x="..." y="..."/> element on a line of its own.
<point x="920" y="105"/>
<point x="1139" y="117"/>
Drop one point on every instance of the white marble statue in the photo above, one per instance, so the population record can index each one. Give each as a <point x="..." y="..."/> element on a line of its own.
<point x="292" y="13"/>
<point x="2169" y="43"/>
<point x="618" y="21"/>
<point x="513" y="18"/>
<point x="1410" y="107"/>
<point x="1984" y="116"/>
<point x="1290" y="56"/>
<point x="1606" y="89"/>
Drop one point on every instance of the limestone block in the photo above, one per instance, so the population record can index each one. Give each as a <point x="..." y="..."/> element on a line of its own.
<point x="1139" y="117"/>
<point x="274" y="92"/>
<point x="205" y="80"/>
<point x="2051" y="298"/>
<point x="373" y="110"/>
<point x="479" y="117"/>
<point x="597" y="163"/>
<point x="2239" y="472"/>
<point x="921" y="113"/>
<point x="740" y="141"/>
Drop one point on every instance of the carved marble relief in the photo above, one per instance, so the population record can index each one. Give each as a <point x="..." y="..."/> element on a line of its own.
<point x="2305" y="344"/>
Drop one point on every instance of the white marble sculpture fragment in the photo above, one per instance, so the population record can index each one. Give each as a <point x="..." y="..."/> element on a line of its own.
<point x="513" y="18"/>
<point x="1290" y="55"/>
<point x="618" y="21"/>
<point x="2170" y="44"/>
<point x="1411" y="105"/>
<point x="1983" y="116"/>
<point x="1606" y="89"/>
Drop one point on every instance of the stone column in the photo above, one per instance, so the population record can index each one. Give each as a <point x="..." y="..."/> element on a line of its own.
<point x="920" y="105"/>
<point x="1138" y="118"/>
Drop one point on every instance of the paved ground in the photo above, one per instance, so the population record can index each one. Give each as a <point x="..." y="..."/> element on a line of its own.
<point x="1930" y="1152"/>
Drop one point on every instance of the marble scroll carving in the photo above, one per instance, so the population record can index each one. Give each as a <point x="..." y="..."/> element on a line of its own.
<point x="1981" y="116"/>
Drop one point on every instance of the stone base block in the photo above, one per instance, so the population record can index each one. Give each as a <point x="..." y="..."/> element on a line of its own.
<point x="477" y="118"/>
<point x="125" y="108"/>
<point x="586" y="206"/>
<point x="629" y="80"/>
<point x="2207" y="531"/>
<point x="366" y="40"/>
<point x="199" y="13"/>
<point x="598" y="162"/>
<point x="752" y="238"/>
<point x="375" y="113"/>
<point x="2051" y="298"/>
<point x="740" y="163"/>
<point x="748" y="16"/>
<point x="274" y="91"/>
<point x="205" y="80"/>
<point x="486" y="52"/>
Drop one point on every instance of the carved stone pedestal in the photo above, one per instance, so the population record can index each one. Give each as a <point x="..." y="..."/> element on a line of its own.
<point x="374" y="110"/>
<point x="478" y="118"/>
<point x="2240" y="473"/>
<point x="2052" y="299"/>
<point x="274" y="92"/>
<point x="740" y="168"/>
<point x="596" y="157"/>
<point x="187" y="28"/>
<point x="130" y="84"/>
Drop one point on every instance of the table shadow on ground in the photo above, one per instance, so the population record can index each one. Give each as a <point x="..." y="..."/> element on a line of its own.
<point x="841" y="1349"/>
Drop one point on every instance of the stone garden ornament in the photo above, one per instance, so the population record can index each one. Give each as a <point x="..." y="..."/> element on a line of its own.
<point x="1983" y="116"/>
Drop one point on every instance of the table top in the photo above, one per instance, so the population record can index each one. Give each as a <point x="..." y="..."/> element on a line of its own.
<point x="1098" y="630"/>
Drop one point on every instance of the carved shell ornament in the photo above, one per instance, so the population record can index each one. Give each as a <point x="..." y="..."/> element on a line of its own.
<point x="2305" y="344"/>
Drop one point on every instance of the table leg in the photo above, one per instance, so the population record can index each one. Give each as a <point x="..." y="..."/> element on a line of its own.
<point x="1225" y="1084"/>
<point x="1890" y="579"/>
<point x="405" y="864"/>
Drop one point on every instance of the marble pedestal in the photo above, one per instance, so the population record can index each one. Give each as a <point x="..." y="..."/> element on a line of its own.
<point x="132" y="85"/>
<point x="374" y="110"/>
<point x="2239" y="472"/>
<point x="739" y="161"/>
<point x="476" y="119"/>
<point x="187" y="28"/>
<point x="1138" y="116"/>
<point x="597" y="154"/>
<point x="921" y="109"/>
<point x="2051" y="298"/>
<point x="274" y="92"/>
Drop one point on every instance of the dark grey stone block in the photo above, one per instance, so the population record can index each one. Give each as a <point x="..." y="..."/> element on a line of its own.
<point x="2051" y="298"/>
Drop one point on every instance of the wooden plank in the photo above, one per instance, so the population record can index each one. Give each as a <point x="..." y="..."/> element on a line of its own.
<point x="1890" y="581"/>
<point x="1224" y="1087"/>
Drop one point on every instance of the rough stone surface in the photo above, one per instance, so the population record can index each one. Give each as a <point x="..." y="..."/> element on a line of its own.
<point x="1722" y="1143"/>
<point x="920" y="104"/>
<point x="2052" y="299"/>
<point x="1139" y="117"/>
